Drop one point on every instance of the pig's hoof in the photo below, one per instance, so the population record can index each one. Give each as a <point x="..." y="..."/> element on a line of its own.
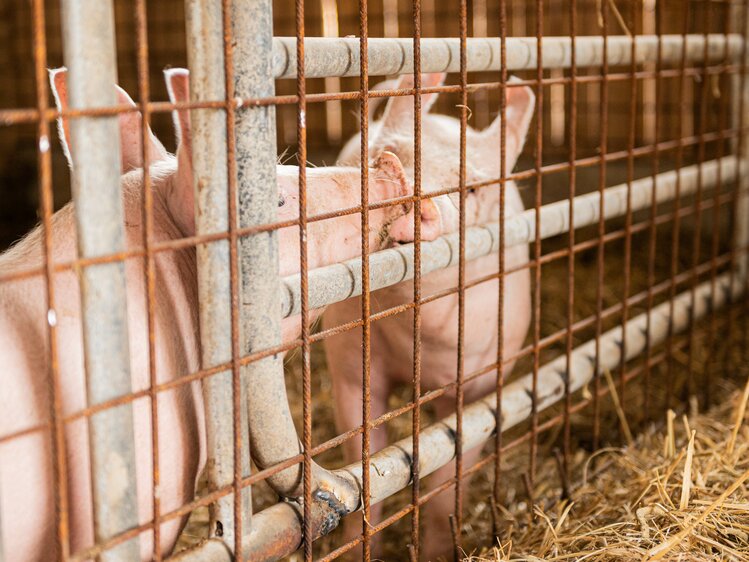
<point x="334" y="510"/>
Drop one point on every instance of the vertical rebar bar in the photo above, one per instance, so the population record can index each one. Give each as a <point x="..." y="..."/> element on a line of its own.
<point x="676" y="231"/>
<point x="536" y="302"/>
<point x="603" y="92"/>
<point x="460" y="368"/>
<point x="499" y="383"/>
<point x="416" y="382"/>
<point x="631" y="144"/>
<point x="723" y="116"/>
<point x="301" y="136"/>
<point x="366" y="304"/>
<point x="572" y="136"/>
<point x="653" y="227"/>
<point x="742" y="208"/>
<point x="740" y="97"/>
<point x="46" y="209"/>
<point x="89" y="47"/>
<point x="705" y="89"/>
<point x="144" y="93"/>
<point x="740" y="214"/>
<point x="205" y="54"/>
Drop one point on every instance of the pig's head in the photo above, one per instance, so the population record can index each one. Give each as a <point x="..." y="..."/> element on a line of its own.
<point x="520" y="107"/>
<point x="329" y="189"/>
<point x="172" y="197"/>
<point x="483" y="155"/>
<point x="441" y="146"/>
<point x="131" y="139"/>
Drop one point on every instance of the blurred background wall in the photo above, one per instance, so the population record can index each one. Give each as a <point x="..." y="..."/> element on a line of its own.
<point x="331" y="123"/>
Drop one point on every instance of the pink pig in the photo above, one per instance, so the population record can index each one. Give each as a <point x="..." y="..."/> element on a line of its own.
<point x="26" y="487"/>
<point x="392" y="337"/>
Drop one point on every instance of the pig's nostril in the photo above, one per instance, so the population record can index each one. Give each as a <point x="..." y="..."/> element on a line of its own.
<point x="281" y="201"/>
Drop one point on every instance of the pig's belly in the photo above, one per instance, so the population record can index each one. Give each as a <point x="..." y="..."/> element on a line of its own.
<point x="439" y="326"/>
<point x="26" y="462"/>
<point x="439" y="338"/>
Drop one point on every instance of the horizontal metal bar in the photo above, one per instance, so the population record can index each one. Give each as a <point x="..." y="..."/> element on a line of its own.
<point x="327" y="57"/>
<point x="277" y="530"/>
<point x="338" y="282"/>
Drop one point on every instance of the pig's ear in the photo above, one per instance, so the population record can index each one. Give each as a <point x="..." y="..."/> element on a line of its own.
<point x="58" y="83"/>
<point x="520" y="108"/>
<point x="131" y="152"/>
<point x="399" y="109"/>
<point x="131" y="139"/>
<point x="390" y="178"/>
<point x="181" y="200"/>
<point x="431" y="81"/>
<point x="178" y="87"/>
<point x="391" y="183"/>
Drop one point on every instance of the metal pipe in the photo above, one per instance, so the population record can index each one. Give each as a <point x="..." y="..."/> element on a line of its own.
<point x="269" y="412"/>
<point x="252" y="28"/>
<point x="338" y="282"/>
<point x="205" y="53"/>
<point x="89" y="47"/>
<point x="327" y="57"/>
<point x="277" y="531"/>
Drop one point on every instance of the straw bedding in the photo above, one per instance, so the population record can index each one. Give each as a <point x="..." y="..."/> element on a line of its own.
<point x="679" y="491"/>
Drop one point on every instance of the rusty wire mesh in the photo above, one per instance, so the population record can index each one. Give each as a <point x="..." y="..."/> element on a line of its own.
<point x="606" y="266"/>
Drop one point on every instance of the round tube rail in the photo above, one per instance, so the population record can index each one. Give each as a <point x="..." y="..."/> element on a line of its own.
<point x="338" y="282"/>
<point x="330" y="57"/>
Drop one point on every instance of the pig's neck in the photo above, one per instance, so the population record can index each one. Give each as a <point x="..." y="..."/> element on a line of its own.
<point x="28" y="252"/>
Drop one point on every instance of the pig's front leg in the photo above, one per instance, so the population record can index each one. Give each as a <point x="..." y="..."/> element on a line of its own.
<point x="435" y="514"/>
<point x="344" y="354"/>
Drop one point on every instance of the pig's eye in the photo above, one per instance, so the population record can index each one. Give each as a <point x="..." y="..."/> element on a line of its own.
<point x="281" y="201"/>
<point x="471" y="190"/>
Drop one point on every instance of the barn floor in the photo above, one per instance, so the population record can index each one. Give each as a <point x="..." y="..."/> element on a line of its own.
<point x="662" y="495"/>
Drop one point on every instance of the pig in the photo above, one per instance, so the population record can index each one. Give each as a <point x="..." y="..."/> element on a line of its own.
<point x="26" y="486"/>
<point x="392" y="337"/>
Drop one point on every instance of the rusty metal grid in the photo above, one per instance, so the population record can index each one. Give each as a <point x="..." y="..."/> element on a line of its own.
<point x="643" y="335"/>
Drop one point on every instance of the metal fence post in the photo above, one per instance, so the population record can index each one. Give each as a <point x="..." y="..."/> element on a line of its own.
<point x="205" y="51"/>
<point x="271" y="426"/>
<point x="89" y="41"/>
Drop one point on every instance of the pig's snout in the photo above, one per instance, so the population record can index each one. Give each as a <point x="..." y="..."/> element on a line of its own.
<point x="403" y="228"/>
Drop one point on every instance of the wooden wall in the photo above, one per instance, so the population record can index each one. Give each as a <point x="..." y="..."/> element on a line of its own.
<point x="330" y="123"/>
